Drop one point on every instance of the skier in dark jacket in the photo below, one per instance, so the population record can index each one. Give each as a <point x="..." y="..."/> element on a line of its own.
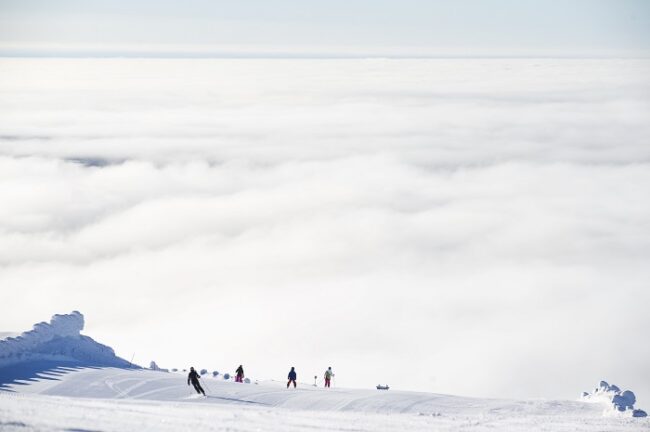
<point x="193" y="377"/>
<point x="240" y="374"/>
<point x="292" y="377"/>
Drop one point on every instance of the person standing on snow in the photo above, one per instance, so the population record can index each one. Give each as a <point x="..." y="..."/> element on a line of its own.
<point x="240" y="374"/>
<point x="193" y="377"/>
<point x="292" y="377"/>
<point x="328" y="376"/>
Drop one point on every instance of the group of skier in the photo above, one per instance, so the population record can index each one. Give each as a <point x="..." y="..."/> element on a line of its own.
<point x="193" y="378"/>
<point x="327" y="377"/>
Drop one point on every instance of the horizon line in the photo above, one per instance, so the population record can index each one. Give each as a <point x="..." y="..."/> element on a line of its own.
<point x="290" y="56"/>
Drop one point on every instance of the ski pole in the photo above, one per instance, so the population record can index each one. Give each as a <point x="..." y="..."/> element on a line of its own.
<point x="206" y="386"/>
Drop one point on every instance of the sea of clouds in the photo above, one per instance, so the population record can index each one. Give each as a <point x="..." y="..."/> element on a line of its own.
<point x="453" y="225"/>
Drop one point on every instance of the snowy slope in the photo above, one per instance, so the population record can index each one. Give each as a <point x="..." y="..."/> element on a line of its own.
<point x="48" y="346"/>
<point x="54" y="379"/>
<point x="124" y="399"/>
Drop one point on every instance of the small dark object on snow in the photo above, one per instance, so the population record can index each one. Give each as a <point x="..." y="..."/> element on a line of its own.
<point x="382" y="387"/>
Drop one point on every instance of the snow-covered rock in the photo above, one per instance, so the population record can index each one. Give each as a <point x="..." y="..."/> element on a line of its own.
<point x="618" y="402"/>
<point x="154" y="366"/>
<point x="58" y="340"/>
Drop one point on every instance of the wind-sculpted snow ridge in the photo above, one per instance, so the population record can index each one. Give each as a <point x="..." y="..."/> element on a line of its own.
<point x="58" y="340"/>
<point x="620" y="402"/>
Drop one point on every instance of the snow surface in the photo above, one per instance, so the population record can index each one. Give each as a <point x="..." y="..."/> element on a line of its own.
<point x="55" y="379"/>
<point x="114" y="399"/>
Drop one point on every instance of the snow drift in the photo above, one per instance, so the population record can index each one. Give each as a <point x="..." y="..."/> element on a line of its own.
<point x="620" y="402"/>
<point x="59" y="340"/>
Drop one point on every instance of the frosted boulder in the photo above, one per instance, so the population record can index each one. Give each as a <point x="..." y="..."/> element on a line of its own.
<point x="203" y="371"/>
<point x="624" y="400"/>
<point x="621" y="402"/>
<point x="155" y="367"/>
<point x="68" y="325"/>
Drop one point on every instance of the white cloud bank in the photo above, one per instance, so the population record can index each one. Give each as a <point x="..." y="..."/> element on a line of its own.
<point x="465" y="226"/>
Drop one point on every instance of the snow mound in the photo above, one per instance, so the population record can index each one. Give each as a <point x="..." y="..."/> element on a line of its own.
<point x="618" y="402"/>
<point x="58" y="340"/>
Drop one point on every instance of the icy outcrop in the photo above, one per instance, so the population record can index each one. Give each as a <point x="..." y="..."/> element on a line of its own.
<point x="154" y="366"/>
<point x="58" y="340"/>
<point x="60" y="326"/>
<point x="619" y="402"/>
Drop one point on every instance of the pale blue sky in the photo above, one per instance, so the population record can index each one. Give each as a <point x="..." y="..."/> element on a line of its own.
<point x="415" y="27"/>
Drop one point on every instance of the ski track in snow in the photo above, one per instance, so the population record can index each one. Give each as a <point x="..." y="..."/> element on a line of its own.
<point x="113" y="399"/>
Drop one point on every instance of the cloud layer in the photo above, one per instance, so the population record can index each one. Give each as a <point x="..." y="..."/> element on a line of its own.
<point x="463" y="226"/>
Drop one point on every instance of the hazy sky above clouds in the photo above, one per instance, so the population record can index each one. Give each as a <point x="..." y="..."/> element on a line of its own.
<point x="462" y="226"/>
<point x="332" y="27"/>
